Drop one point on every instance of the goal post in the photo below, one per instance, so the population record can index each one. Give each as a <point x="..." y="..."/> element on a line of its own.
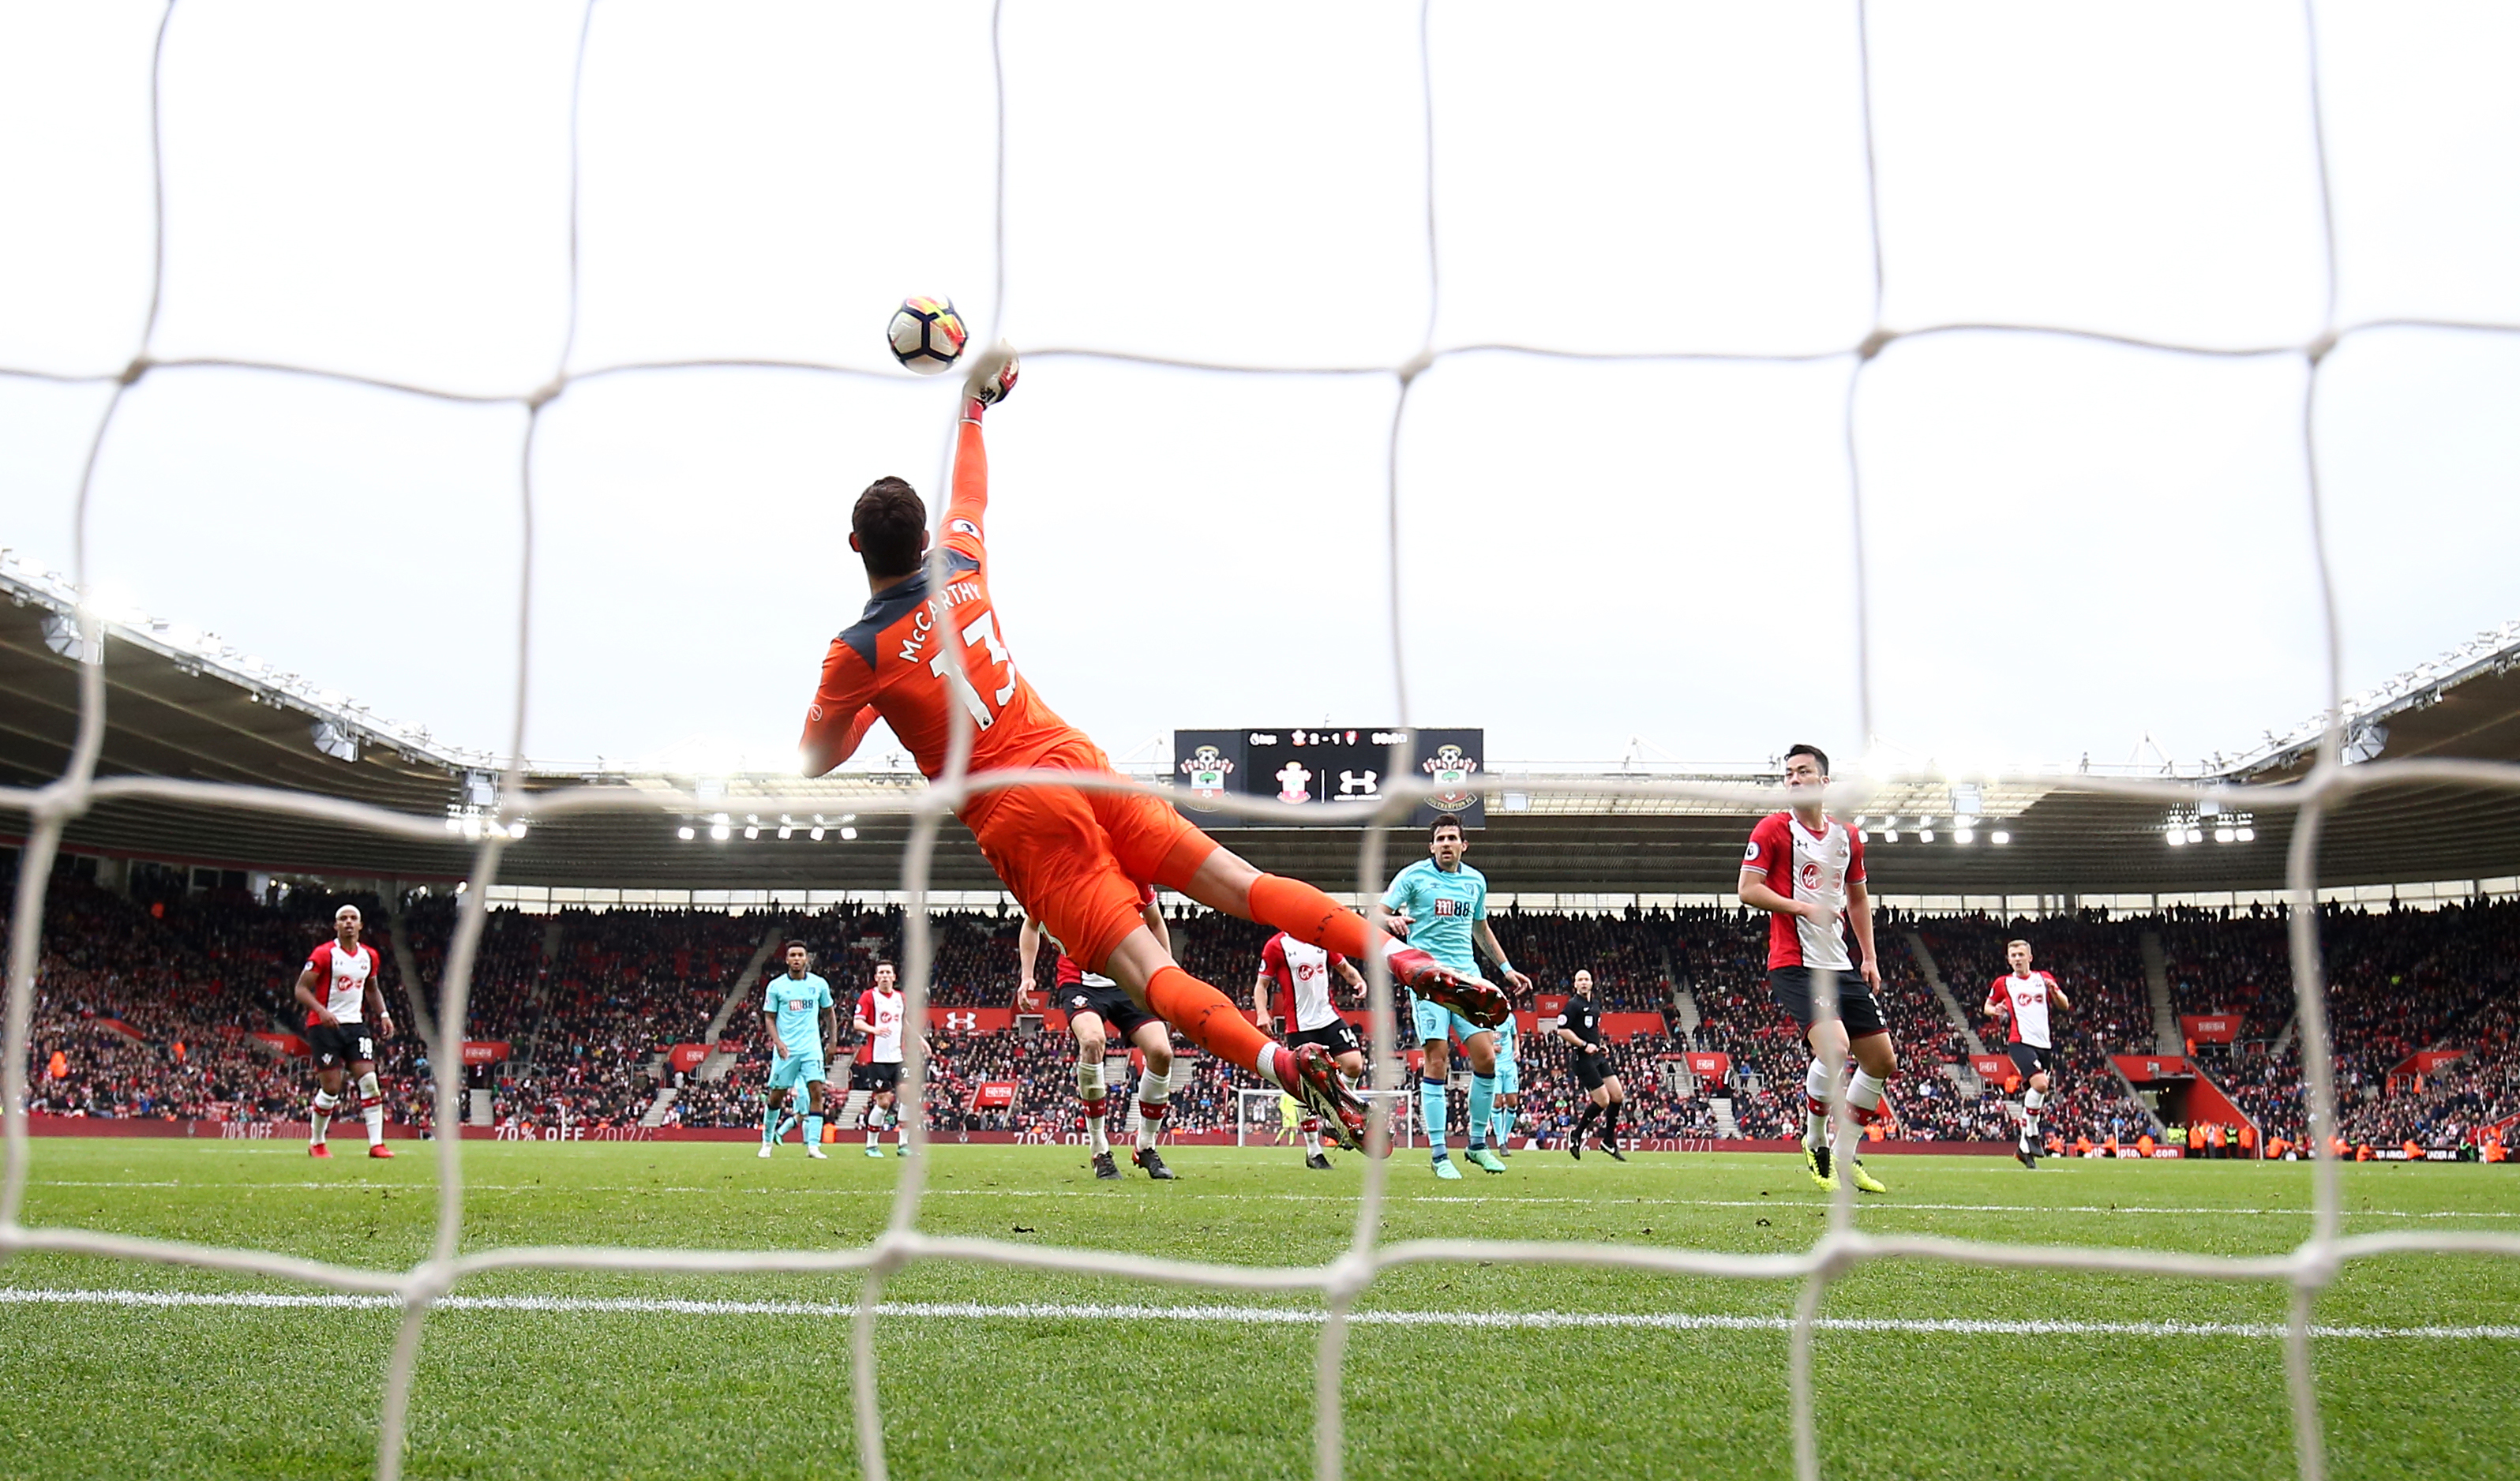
<point x="1257" y="1105"/>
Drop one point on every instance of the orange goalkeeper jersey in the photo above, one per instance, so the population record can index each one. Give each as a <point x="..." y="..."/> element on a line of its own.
<point x="919" y="653"/>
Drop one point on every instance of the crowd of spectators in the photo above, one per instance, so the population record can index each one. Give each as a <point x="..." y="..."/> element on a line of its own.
<point x="150" y="1001"/>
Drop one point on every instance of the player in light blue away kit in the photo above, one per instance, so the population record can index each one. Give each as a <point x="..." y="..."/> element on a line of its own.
<point x="1508" y="1084"/>
<point x="796" y="1014"/>
<point x="1441" y="905"/>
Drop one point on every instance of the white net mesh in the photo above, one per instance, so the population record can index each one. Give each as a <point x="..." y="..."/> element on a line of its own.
<point x="2313" y="798"/>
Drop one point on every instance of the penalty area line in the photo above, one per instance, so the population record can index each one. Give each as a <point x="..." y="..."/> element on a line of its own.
<point x="1236" y="1316"/>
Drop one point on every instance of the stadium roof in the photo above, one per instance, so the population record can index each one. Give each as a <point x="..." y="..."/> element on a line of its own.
<point x="183" y="706"/>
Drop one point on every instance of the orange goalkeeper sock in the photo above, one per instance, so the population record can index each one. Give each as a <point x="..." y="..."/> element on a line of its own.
<point x="1307" y="915"/>
<point x="1209" y="1020"/>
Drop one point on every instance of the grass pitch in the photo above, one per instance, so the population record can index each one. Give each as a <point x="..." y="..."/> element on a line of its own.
<point x="985" y="1372"/>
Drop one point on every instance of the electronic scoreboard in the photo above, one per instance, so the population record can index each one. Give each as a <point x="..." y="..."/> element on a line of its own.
<point x="1307" y="766"/>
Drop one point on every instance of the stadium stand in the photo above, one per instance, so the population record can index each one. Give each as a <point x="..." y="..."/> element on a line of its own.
<point x="151" y="1002"/>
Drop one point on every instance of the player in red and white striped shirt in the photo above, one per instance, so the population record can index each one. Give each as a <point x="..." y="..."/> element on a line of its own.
<point x="1297" y="974"/>
<point x="1806" y="870"/>
<point x="341" y="986"/>
<point x="1098" y="1007"/>
<point x="878" y="1021"/>
<point x="2022" y="998"/>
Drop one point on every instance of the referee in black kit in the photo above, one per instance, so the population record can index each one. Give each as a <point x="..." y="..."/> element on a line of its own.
<point x="1579" y="1024"/>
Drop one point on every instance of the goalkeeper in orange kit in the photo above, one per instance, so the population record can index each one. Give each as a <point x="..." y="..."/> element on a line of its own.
<point x="1073" y="858"/>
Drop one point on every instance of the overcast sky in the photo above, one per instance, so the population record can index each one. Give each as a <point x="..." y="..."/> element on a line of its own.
<point x="2069" y="544"/>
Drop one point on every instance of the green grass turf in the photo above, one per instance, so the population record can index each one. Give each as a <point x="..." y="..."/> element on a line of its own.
<point x="96" y="1391"/>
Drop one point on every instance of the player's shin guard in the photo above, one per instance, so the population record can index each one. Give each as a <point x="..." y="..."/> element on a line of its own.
<point x="1503" y="1128"/>
<point x="1863" y="1095"/>
<point x="769" y="1123"/>
<point x="813" y="1131"/>
<point x="1815" y="1105"/>
<point x="1154" y="1099"/>
<point x="1088" y="1089"/>
<point x="1610" y="1122"/>
<point x="1209" y="1020"/>
<point x="1430" y="1110"/>
<point x="1312" y="1129"/>
<point x="1482" y="1107"/>
<point x="372" y="1108"/>
<point x="320" y="1119"/>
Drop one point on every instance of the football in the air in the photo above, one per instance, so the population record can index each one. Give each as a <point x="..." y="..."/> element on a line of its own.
<point x="927" y="334"/>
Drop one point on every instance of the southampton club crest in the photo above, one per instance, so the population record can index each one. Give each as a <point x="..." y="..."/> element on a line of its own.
<point x="1451" y="770"/>
<point x="1206" y="770"/>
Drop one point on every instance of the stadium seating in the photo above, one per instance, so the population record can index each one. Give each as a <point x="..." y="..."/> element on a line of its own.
<point x="147" y="1007"/>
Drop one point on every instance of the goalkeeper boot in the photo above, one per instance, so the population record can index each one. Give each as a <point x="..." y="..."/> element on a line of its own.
<point x="1317" y="1083"/>
<point x="1316" y="1162"/>
<point x="1485" y="1160"/>
<point x="1103" y="1170"/>
<point x="990" y="380"/>
<point x="1479" y="1001"/>
<point x="1817" y="1159"/>
<point x="1446" y="1171"/>
<point x="1864" y="1180"/>
<point x="1153" y="1163"/>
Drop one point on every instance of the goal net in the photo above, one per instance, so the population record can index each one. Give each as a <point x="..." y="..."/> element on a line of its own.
<point x="1392" y="372"/>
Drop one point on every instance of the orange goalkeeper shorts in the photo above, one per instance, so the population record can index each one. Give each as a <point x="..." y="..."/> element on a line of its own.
<point x="1074" y="859"/>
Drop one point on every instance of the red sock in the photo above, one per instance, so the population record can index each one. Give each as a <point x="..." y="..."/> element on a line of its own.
<point x="1209" y="1020"/>
<point x="1307" y="915"/>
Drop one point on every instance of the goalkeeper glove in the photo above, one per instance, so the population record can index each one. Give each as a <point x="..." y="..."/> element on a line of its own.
<point x="992" y="378"/>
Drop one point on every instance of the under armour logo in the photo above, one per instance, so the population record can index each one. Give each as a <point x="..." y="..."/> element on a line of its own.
<point x="1354" y="783"/>
<point x="962" y="1022"/>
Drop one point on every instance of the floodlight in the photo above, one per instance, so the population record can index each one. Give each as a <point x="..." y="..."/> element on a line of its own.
<point x="2196" y="835"/>
<point x="684" y="832"/>
<point x="2175" y="837"/>
<point x="786" y="831"/>
<point x="720" y="832"/>
<point x="750" y="832"/>
<point x="61" y="636"/>
<point x="2222" y="835"/>
<point x="849" y="832"/>
<point x="815" y="835"/>
<point x="1925" y="835"/>
<point x="2245" y="834"/>
<point x="1998" y="836"/>
<point x="335" y="741"/>
<point x="1963" y="836"/>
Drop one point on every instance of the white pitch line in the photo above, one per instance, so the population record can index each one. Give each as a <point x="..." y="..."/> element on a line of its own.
<point x="1891" y="1204"/>
<point x="1242" y="1315"/>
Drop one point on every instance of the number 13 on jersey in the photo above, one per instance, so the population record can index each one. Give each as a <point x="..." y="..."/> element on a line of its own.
<point x="982" y="632"/>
